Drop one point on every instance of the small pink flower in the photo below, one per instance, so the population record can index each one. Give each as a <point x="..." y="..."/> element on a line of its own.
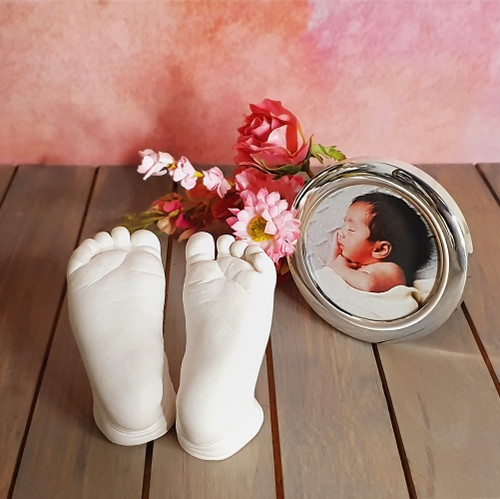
<point x="169" y="206"/>
<point x="175" y="216"/>
<point x="183" y="223"/>
<point x="251" y="179"/>
<point x="153" y="163"/>
<point x="266" y="221"/>
<point x="213" y="179"/>
<point x="184" y="173"/>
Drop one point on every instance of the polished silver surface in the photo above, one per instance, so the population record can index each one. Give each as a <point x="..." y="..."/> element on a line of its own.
<point x="444" y="278"/>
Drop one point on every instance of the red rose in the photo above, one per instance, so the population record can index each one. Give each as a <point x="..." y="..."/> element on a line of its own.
<point x="271" y="139"/>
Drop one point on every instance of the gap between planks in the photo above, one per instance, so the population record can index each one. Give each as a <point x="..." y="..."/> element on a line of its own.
<point x="490" y="187"/>
<point x="475" y="334"/>
<point x="412" y="493"/>
<point x="481" y="348"/>
<point x="273" y="411"/>
<point x="50" y="340"/>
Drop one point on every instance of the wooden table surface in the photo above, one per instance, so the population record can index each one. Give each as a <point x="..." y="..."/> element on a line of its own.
<point x="343" y="418"/>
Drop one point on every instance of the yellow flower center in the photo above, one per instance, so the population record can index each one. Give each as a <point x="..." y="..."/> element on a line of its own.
<point x="256" y="229"/>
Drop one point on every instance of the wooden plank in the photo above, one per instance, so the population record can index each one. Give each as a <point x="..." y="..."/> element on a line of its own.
<point x="247" y="474"/>
<point x="447" y="408"/>
<point x="6" y="173"/>
<point x="65" y="454"/>
<point x="174" y="324"/>
<point x="448" y="412"/>
<point x="492" y="173"/>
<point x="39" y="224"/>
<point x="483" y="217"/>
<point x="335" y="431"/>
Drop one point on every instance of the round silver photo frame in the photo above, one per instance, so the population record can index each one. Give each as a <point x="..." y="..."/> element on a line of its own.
<point x="383" y="251"/>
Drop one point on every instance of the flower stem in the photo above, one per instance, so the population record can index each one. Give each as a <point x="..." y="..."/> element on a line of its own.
<point x="307" y="169"/>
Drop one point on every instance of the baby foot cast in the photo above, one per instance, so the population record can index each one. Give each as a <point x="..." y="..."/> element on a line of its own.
<point x="116" y="291"/>
<point x="228" y="304"/>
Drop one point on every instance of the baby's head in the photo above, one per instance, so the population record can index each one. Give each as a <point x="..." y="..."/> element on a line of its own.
<point x="386" y="229"/>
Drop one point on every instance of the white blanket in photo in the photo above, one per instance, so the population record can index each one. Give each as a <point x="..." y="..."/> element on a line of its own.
<point x="388" y="305"/>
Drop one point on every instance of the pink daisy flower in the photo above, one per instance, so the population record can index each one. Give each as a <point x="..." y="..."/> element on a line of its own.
<point x="266" y="221"/>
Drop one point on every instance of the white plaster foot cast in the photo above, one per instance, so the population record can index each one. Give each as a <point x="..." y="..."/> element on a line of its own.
<point x="116" y="291"/>
<point x="228" y="304"/>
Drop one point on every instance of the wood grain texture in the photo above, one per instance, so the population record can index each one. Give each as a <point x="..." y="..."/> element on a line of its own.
<point x="492" y="173"/>
<point x="6" y="173"/>
<point x="247" y="474"/>
<point x="63" y="434"/>
<point x="448" y="412"/>
<point x="447" y="408"/>
<point x="336" y="434"/>
<point x="334" y="426"/>
<point x="174" y="324"/>
<point x="483" y="218"/>
<point x="39" y="224"/>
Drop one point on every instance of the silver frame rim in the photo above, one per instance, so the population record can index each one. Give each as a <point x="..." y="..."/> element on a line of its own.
<point x="441" y="213"/>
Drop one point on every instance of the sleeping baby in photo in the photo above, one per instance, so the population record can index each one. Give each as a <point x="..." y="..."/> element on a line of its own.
<point x="375" y="257"/>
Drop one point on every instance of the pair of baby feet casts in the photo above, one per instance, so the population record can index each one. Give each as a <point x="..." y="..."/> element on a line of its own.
<point x="116" y="294"/>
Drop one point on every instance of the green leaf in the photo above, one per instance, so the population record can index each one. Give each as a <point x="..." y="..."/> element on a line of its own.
<point x="289" y="169"/>
<point x="320" y="152"/>
<point x="284" y="170"/>
<point x="145" y="220"/>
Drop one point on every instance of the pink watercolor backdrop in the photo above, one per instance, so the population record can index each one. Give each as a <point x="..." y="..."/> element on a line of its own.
<point x="93" y="82"/>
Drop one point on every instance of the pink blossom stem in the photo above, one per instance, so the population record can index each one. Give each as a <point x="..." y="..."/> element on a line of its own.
<point x="307" y="169"/>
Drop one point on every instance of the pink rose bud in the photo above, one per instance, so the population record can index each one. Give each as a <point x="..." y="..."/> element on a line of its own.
<point x="271" y="138"/>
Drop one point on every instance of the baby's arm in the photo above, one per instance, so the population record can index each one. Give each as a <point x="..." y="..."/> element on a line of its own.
<point x="377" y="277"/>
<point x="352" y="274"/>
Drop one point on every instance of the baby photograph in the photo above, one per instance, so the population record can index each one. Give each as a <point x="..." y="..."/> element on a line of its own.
<point x="371" y="253"/>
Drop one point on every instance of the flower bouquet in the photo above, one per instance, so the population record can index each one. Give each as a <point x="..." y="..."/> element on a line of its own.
<point x="255" y="202"/>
